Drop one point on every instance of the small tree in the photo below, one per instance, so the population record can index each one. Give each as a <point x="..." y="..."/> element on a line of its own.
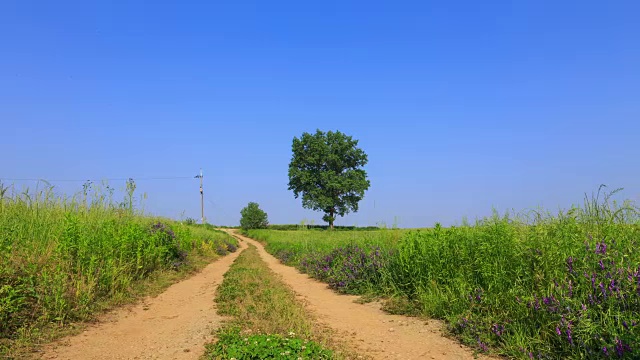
<point x="253" y="217"/>
<point x="326" y="169"/>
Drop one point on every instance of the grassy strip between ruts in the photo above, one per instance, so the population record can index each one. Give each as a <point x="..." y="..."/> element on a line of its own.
<point x="268" y="322"/>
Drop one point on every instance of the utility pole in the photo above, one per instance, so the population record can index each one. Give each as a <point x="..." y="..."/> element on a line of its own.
<point x="201" y="195"/>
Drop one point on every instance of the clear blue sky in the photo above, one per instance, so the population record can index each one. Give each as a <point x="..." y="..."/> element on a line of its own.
<point x="461" y="105"/>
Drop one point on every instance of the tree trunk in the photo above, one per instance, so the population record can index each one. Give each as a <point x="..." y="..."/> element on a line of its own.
<point x="331" y="220"/>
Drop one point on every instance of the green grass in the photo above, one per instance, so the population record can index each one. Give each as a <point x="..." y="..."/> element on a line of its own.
<point x="64" y="259"/>
<point x="298" y="243"/>
<point x="267" y="321"/>
<point x="563" y="285"/>
<point x="324" y="254"/>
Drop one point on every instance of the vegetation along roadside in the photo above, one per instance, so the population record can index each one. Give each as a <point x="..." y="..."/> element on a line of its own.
<point x="563" y="285"/>
<point x="63" y="260"/>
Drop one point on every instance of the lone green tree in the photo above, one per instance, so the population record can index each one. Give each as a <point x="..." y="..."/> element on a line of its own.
<point x="253" y="217"/>
<point x="326" y="169"/>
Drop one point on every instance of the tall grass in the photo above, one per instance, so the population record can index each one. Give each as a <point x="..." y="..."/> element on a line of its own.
<point x="298" y="243"/>
<point x="565" y="285"/>
<point x="349" y="262"/>
<point x="59" y="257"/>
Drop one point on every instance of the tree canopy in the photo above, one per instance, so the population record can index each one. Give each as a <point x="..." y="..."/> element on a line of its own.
<point x="326" y="170"/>
<point x="253" y="217"/>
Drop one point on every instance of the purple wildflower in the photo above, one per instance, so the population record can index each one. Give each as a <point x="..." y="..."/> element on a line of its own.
<point x="478" y="295"/>
<point x="497" y="329"/>
<point x="463" y="324"/>
<point x="621" y="347"/>
<point x="483" y="346"/>
<point x="601" y="248"/>
<point x="602" y="288"/>
<point x="570" y="289"/>
<point x="535" y="303"/>
<point x="570" y="264"/>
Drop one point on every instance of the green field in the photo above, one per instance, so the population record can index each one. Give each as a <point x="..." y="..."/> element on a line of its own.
<point x="63" y="259"/>
<point x="565" y="285"/>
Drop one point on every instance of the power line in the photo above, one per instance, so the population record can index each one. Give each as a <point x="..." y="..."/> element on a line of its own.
<point x="96" y="180"/>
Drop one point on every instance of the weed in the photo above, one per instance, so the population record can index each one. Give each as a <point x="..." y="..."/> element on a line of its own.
<point x="545" y="286"/>
<point x="62" y="258"/>
<point x="232" y="344"/>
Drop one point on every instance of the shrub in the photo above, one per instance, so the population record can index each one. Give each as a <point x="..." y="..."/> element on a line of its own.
<point x="349" y="269"/>
<point x="253" y="217"/>
<point x="231" y="247"/>
<point x="221" y="249"/>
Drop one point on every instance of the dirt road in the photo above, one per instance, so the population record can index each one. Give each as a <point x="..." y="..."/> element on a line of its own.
<point x="179" y="322"/>
<point x="366" y="328"/>
<point x="174" y="325"/>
